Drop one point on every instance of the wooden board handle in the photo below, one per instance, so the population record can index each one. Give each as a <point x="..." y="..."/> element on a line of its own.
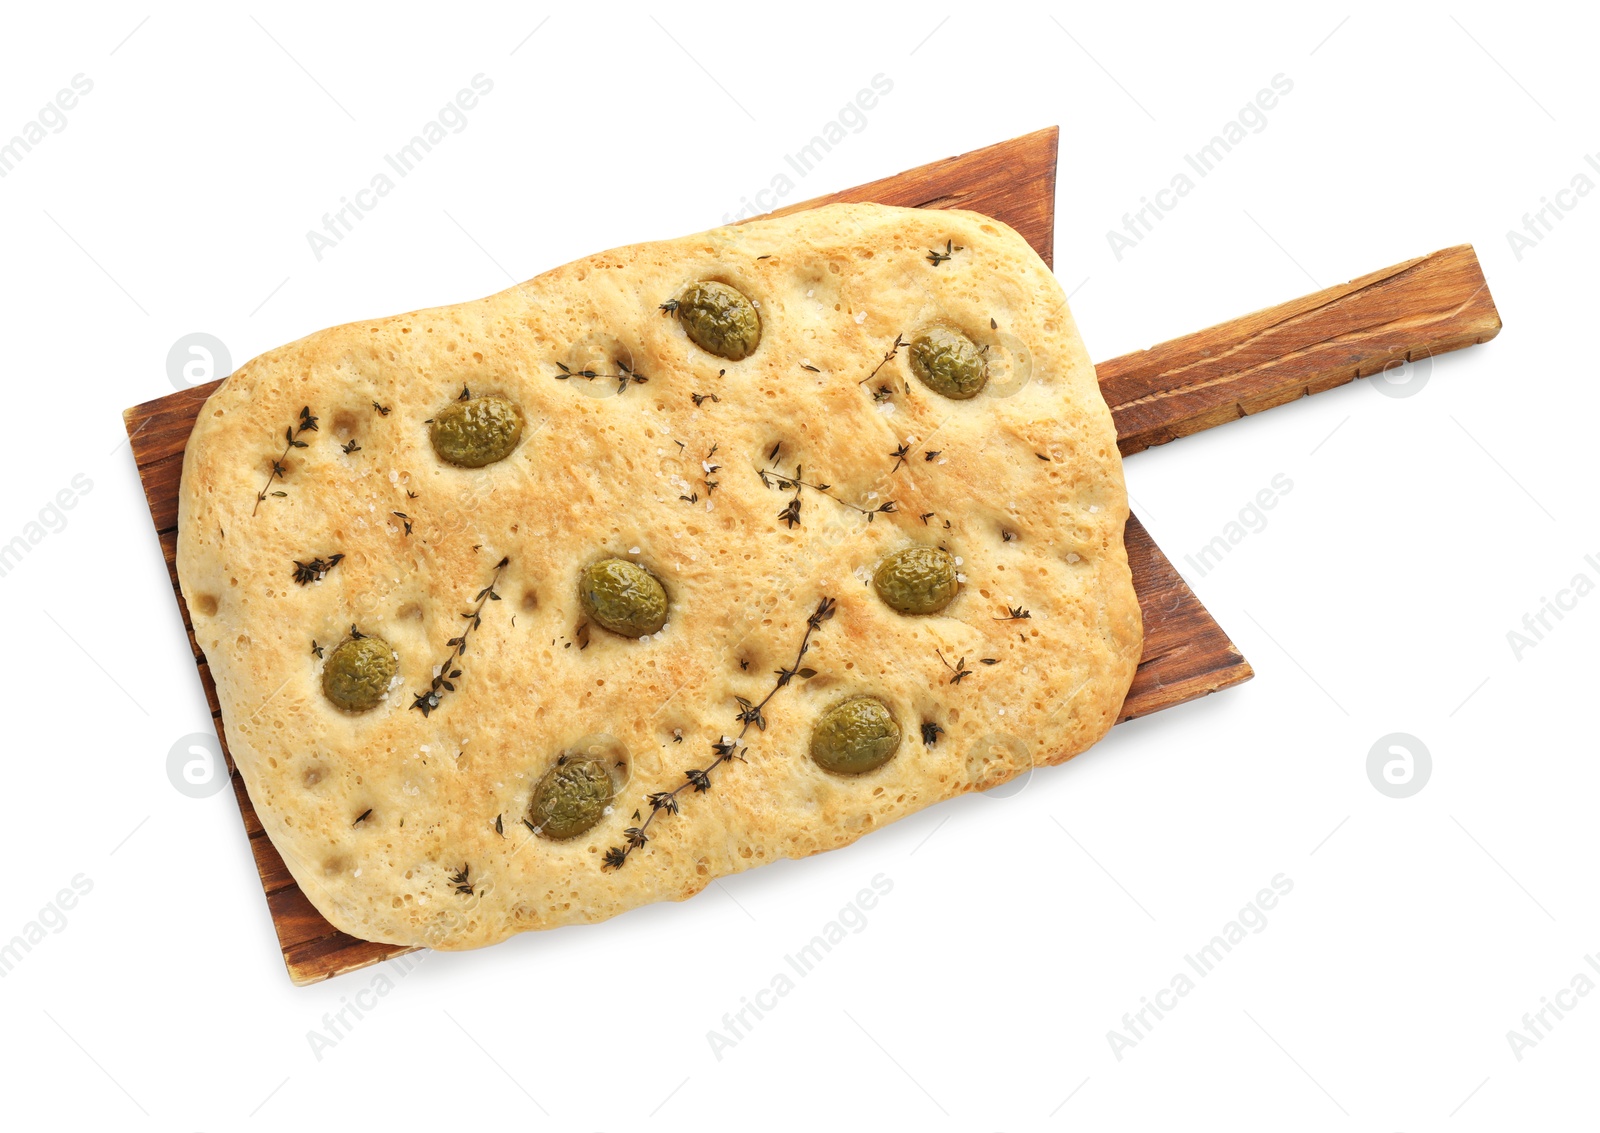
<point x="1426" y="306"/>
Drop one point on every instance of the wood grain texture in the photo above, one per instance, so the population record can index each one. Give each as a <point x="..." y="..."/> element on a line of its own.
<point x="1426" y="306"/>
<point x="1186" y="655"/>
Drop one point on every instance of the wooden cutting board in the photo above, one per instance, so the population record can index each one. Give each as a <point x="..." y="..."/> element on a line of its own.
<point x="1424" y="306"/>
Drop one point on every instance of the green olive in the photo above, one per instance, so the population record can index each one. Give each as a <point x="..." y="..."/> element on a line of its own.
<point x="949" y="363"/>
<point x="572" y="796"/>
<point x="357" y="674"/>
<point x="855" y="737"/>
<point x="477" y="431"/>
<point x="623" y="597"/>
<point x="719" y="320"/>
<point x="917" y="580"/>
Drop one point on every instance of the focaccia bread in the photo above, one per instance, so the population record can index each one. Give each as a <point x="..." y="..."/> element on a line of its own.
<point x="841" y="485"/>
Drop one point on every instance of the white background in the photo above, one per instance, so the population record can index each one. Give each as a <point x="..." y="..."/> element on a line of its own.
<point x="1418" y="532"/>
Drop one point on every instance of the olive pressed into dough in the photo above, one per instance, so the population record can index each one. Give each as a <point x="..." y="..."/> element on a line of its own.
<point x="719" y="319"/>
<point x="357" y="674"/>
<point x="570" y="798"/>
<point x="623" y="597"/>
<point x="855" y="737"/>
<point x="917" y="580"/>
<point x="948" y="363"/>
<point x="476" y="431"/>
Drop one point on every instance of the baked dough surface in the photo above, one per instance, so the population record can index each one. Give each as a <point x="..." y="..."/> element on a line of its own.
<point x="1026" y="488"/>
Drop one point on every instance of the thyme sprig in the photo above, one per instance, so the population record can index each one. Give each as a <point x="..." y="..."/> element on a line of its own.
<point x="775" y="477"/>
<point x="1014" y="614"/>
<point x="710" y="470"/>
<point x="624" y="378"/>
<point x="959" y="671"/>
<point x="894" y="349"/>
<point x="936" y="257"/>
<point x="316" y="570"/>
<point x="443" y="681"/>
<point x="461" y="881"/>
<point x="726" y="748"/>
<point x="291" y="436"/>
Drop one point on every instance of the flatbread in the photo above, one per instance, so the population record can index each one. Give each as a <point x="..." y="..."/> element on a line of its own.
<point x="405" y="826"/>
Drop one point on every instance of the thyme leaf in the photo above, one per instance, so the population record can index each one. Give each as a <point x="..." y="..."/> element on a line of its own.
<point x="624" y="377"/>
<point x="316" y="570"/>
<point x="279" y="470"/>
<point x="775" y="477"/>
<point x="894" y="349"/>
<point x="450" y="670"/>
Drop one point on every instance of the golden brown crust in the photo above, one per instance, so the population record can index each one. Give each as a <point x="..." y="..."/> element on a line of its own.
<point x="1026" y="488"/>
